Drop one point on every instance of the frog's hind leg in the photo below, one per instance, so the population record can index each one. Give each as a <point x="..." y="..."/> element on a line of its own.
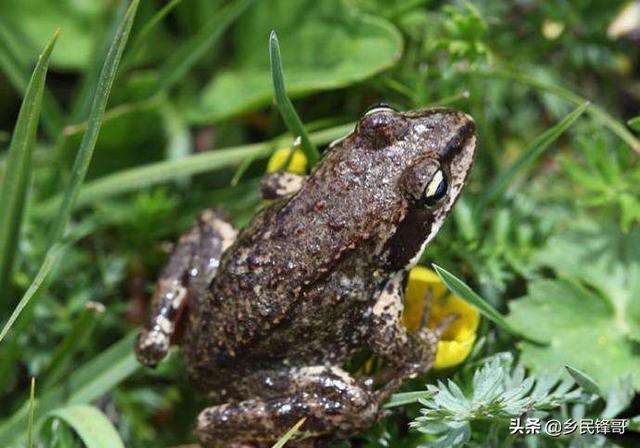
<point x="333" y="403"/>
<point x="192" y="265"/>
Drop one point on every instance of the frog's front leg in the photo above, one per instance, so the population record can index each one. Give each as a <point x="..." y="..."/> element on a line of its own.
<point x="192" y="265"/>
<point x="333" y="403"/>
<point x="281" y="184"/>
<point x="410" y="354"/>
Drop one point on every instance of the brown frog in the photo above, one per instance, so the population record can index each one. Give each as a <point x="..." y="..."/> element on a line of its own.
<point x="273" y="312"/>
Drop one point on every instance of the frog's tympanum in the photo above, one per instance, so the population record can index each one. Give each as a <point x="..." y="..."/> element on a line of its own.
<point x="272" y="313"/>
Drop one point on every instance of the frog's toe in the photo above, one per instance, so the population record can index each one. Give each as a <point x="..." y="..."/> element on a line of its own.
<point x="151" y="347"/>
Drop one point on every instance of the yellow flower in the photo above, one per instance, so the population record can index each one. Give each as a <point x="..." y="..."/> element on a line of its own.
<point x="297" y="165"/>
<point x="457" y="341"/>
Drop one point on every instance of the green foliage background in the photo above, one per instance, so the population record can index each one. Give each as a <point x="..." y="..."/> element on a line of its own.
<point x="547" y="231"/>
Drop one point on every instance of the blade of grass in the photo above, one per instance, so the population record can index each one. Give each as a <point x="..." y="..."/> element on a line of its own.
<point x="80" y="107"/>
<point x="461" y="289"/>
<point x="50" y="260"/>
<point x="117" y="112"/>
<point x="80" y="166"/>
<point x="18" y="75"/>
<point x="85" y="384"/>
<point x="287" y="436"/>
<point x="140" y="39"/>
<point x="91" y="425"/>
<point x="594" y="111"/>
<point x="154" y="173"/>
<point x="634" y="123"/>
<point x="530" y="154"/>
<point x="185" y="57"/>
<point x="288" y="112"/>
<point x="72" y="342"/>
<point x="96" y="114"/>
<point x="242" y="168"/>
<point x="10" y="351"/>
<point x="178" y="137"/>
<point x="169" y="170"/>
<point x="103" y="37"/>
<point x="13" y="191"/>
<point x="32" y="410"/>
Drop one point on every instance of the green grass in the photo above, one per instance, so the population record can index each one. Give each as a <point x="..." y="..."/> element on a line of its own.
<point x="18" y="172"/>
<point x="115" y="132"/>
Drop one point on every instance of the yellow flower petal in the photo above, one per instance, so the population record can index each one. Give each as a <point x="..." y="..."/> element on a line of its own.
<point x="421" y="280"/>
<point x="458" y="339"/>
<point x="452" y="353"/>
<point x="297" y="165"/>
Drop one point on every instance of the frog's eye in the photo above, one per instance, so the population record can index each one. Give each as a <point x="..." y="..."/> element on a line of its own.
<point x="380" y="107"/>
<point x="436" y="189"/>
<point x="425" y="183"/>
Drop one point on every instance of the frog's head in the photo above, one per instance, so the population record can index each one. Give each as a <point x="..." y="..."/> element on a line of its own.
<point x="435" y="149"/>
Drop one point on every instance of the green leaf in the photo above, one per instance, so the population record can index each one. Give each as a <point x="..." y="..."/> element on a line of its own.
<point x="93" y="427"/>
<point x="461" y="289"/>
<point x="34" y="21"/>
<point x="634" y="424"/>
<point x="287" y="436"/>
<point x="529" y="155"/>
<point x="590" y="314"/>
<point x="499" y="391"/>
<point x="619" y="396"/>
<point x="404" y="398"/>
<point x="634" y="123"/>
<point x="288" y="112"/>
<point x="13" y="191"/>
<point x="326" y="45"/>
<point x="584" y="380"/>
<point x="195" y="48"/>
<point x="85" y="384"/>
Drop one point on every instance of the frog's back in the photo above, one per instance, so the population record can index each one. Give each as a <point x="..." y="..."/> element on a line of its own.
<point x="290" y="252"/>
